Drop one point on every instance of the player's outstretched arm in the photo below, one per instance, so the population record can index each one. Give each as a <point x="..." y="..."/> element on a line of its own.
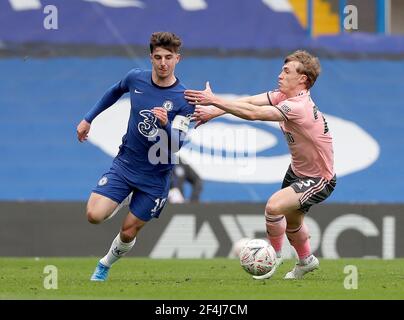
<point x="109" y="98"/>
<point x="257" y="100"/>
<point x="203" y="114"/>
<point x="239" y="108"/>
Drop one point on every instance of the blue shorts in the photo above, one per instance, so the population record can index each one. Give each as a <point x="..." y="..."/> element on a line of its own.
<point x="143" y="205"/>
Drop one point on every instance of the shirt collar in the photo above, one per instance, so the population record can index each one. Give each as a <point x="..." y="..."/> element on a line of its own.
<point x="303" y="92"/>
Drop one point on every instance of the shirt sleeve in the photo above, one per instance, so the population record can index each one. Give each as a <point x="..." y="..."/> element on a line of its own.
<point x="187" y="110"/>
<point x="274" y="97"/>
<point x="181" y="120"/>
<point x="291" y="111"/>
<point x="177" y="129"/>
<point x="112" y="95"/>
<point x="128" y="81"/>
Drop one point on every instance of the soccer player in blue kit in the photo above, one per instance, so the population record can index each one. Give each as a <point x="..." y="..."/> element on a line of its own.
<point x="159" y="120"/>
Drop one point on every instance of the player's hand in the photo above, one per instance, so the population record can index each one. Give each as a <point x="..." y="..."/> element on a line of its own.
<point x="161" y="114"/>
<point x="82" y="130"/>
<point x="202" y="114"/>
<point x="205" y="97"/>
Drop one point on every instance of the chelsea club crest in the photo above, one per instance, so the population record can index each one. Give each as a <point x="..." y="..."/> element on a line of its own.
<point x="103" y="181"/>
<point x="168" y="105"/>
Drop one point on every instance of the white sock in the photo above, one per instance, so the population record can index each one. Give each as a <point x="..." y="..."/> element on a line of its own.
<point x="279" y="254"/>
<point x="118" y="250"/>
<point x="306" y="260"/>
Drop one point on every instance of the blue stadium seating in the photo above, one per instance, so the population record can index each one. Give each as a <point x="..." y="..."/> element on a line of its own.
<point x="224" y="24"/>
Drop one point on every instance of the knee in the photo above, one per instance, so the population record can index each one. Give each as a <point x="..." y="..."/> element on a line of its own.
<point x="93" y="217"/>
<point x="273" y="208"/>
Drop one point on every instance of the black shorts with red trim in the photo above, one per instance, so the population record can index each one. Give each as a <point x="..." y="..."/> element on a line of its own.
<point x="313" y="190"/>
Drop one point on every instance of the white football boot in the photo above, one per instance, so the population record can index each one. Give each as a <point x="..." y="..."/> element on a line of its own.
<point x="278" y="262"/>
<point x="301" y="269"/>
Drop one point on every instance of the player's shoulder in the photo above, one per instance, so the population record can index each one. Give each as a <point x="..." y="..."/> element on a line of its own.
<point x="289" y="104"/>
<point x="178" y="90"/>
<point x="301" y="100"/>
<point x="180" y="86"/>
<point x="137" y="73"/>
<point x="275" y="97"/>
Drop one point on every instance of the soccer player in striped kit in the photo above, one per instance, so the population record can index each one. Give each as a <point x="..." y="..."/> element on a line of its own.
<point x="310" y="178"/>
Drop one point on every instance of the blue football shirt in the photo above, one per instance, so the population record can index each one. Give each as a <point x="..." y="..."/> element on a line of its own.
<point x="144" y="130"/>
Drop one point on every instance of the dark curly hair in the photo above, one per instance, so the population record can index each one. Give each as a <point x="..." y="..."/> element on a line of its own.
<point x="166" y="40"/>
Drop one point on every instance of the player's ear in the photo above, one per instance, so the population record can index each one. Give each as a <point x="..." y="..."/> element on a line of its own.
<point x="178" y="57"/>
<point x="303" y="78"/>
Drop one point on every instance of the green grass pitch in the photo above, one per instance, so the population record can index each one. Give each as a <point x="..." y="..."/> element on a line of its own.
<point x="211" y="279"/>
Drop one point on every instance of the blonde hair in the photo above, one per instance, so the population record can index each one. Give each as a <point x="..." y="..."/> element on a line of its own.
<point x="309" y="65"/>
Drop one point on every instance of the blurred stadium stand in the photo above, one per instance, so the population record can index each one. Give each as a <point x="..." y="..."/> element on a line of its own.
<point x="52" y="77"/>
<point x="258" y="25"/>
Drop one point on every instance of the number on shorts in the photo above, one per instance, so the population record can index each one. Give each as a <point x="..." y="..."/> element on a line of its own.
<point x="159" y="204"/>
